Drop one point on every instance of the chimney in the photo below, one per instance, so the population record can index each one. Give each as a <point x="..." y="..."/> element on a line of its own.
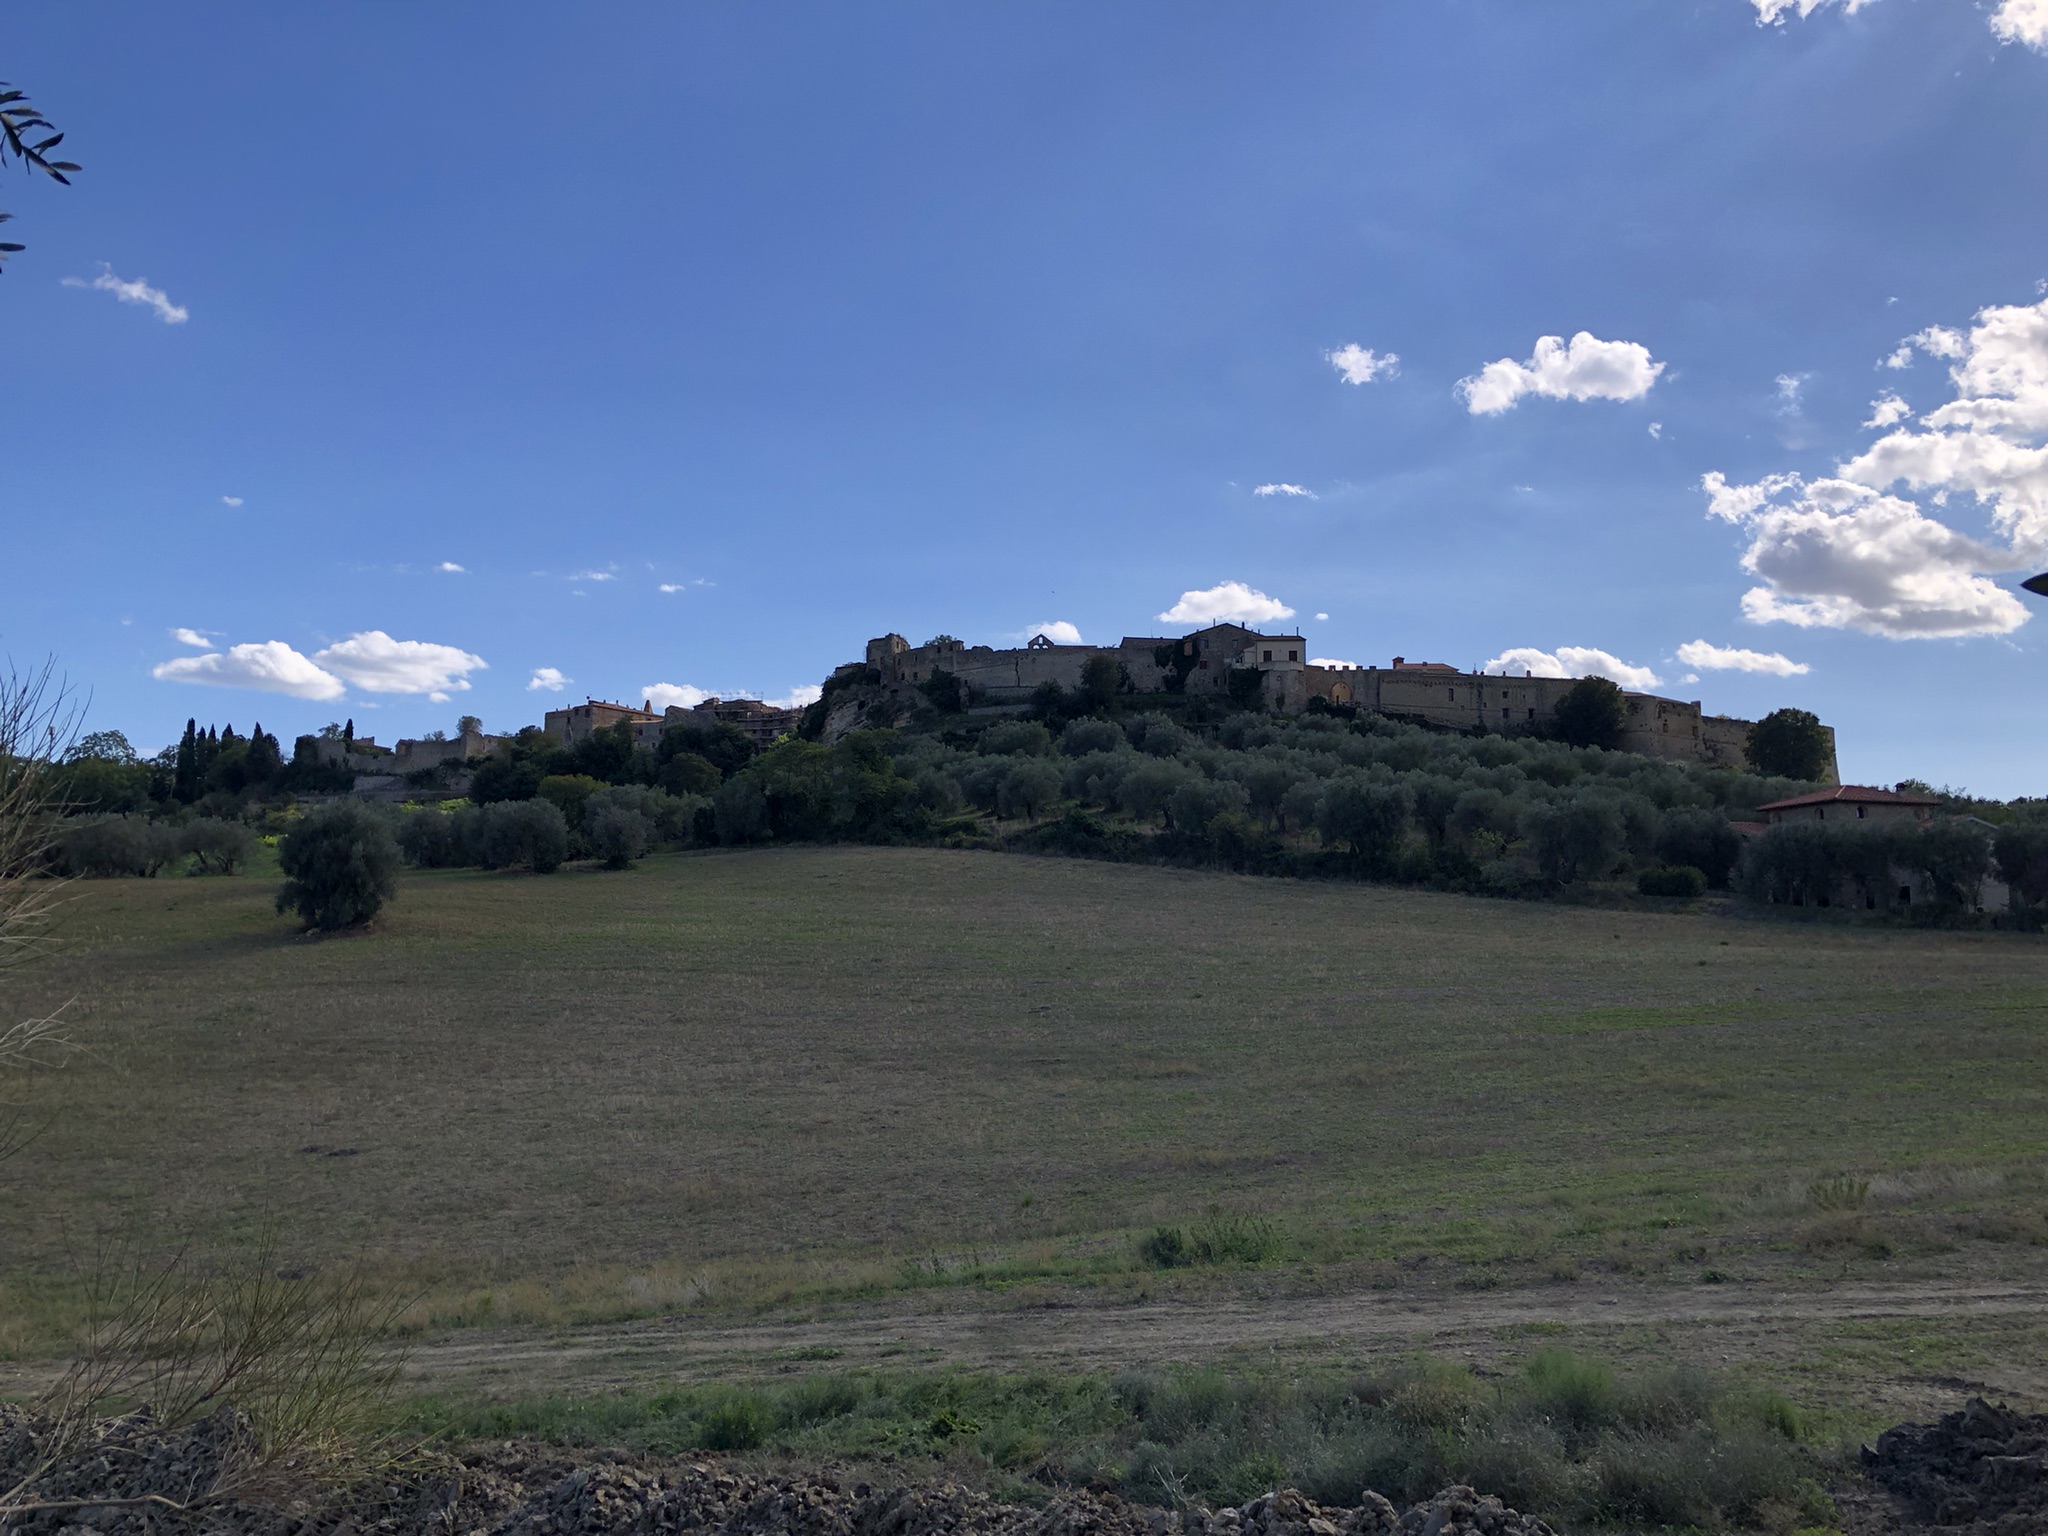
<point x="647" y="706"/>
<point x="1399" y="659"/>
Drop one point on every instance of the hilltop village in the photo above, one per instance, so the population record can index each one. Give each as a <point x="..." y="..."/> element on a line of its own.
<point x="1270" y="672"/>
<point x="1273" y="672"/>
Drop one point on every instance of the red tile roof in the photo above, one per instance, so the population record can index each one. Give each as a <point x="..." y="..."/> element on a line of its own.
<point x="1850" y="794"/>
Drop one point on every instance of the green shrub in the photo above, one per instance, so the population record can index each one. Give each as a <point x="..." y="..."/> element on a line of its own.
<point x="340" y="866"/>
<point x="1681" y="881"/>
<point x="216" y="847"/>
<point x="107" y="846"/>
<point x="1165" y="1248"/>
<point x="740" y="1421"/>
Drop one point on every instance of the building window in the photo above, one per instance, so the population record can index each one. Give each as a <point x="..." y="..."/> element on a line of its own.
<point x="1269" y="655"/>
<point x="1862" y="811"/>
<point x="1532" y="714"/>
<point x="1294" y="655"/>
<point x="1503" y="712"/>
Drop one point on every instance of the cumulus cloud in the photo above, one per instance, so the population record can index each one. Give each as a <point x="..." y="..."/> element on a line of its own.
<point x="1058" y="631"/>
<point x="1322" y="618"/>
<point x="1585" y="369"/>
<point x="1789" y="387"/>
<point x="2022" y="21"/>
<point x="376" y="663"/>
<point x="689" y="696"/>
<point x="1570" y="661"/>
<point x="1887" y="410"/>
<point x="595" y="575"/>
<point x="1330" y="661"/>
<point x="1282" y="488"/>
<point x="231" y="501"/>
<point x="548" y="680"/>
<point x="1656" y="429"/>
<point x="193" y="637"/>
<point x="268" y="666"/>
<point x="1361" y="365"/>
<point x="1729" y="658"/>
<point x="1846" y="551"/>
<point x="134" y="291"/>
<point x="449" y="567"/>
<point x="675" y="695"/>
<point x="1227" y="602"/>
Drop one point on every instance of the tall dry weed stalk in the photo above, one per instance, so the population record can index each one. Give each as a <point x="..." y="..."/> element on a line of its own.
<point x="294" y="1360"/>
<point x="38" y="718"/>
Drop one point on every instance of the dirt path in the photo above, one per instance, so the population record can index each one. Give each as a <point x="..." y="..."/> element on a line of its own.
<point x="1708" y="1324"/>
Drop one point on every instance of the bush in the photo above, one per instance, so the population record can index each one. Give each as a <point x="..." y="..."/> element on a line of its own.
<point x="216" y="847"/>
<point x="1701" y="838"/>
<point x="567" y="793"/>
<point x="1790" y="744"/>
<point x="1221" y="1237"/>
<point x="1576" y="839"/>
<point x="1369" y="819"/>
<point x="1199" y="802"/>
<point x="618" y="834"/>
<point x="529" y="832"/>
<point x="340" y="866"/>
<point x="1085" y="736"/>
<point x="1675" y="880"/>
<point x="2021" y="853"/>
<point x="689" y="773"/>
<point x="1591" y="713"/>
<point x="434" y="839"/>
<point x="1028" y="789"/>
<point x="104" y="847"/>
<point x="1016" y="738"/>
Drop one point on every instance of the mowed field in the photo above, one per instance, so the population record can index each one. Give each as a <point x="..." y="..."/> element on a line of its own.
<point x="732" y="1085"/>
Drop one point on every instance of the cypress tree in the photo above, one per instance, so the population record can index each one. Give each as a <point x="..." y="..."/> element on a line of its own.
<point x="185" y="769"/>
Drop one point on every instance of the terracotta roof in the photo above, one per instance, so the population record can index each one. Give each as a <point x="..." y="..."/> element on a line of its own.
<point x="1850" y="794"/>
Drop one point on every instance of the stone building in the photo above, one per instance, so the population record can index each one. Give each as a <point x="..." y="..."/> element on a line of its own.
<point x="1852" y="802"/>
<point x="578" y="721"/>
<point x="1428" y="692"/>
<point x="760" y="722"/>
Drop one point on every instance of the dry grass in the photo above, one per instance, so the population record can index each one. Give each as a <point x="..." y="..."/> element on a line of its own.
<point x="741" y="1078"/>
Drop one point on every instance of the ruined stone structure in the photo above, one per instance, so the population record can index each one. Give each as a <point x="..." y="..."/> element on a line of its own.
<point x="363" y="755"/>
<point x="1429" y="693"/>
<point x="578" y="721"/>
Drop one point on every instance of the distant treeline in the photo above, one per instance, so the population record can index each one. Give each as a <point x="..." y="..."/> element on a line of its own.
<point x="1202" y="783"/>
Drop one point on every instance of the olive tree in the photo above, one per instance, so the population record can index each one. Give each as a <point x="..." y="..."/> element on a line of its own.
<point x="340" y="866"/>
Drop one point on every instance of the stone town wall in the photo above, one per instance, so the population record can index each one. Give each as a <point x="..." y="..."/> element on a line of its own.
<point x="1673" y="729"/>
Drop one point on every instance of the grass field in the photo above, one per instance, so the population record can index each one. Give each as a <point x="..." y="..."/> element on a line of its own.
<point x="727" y="1084"/>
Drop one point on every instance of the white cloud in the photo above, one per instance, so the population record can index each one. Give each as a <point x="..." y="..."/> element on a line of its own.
<point x="671" y="586"/>
<point x="1886" y="410"/>
<point x="1772" y="13"/>
<point x="1226" y="602"/>
<point x="1789" y="386"/>
<point x="231" y="501"/>
<point x="1322" y="618"/>
<point x="1901" y="356"/>
<point x="192" y="637"/>
<point x="1329" y="661"/>
<point x="133" y="292"/>
<point x="376" y="663"/>
<point x="675" y="695"/>
<point x="449" y="567"/>
<point x="1059" y="632"/>
<point x="1282" y="488"/>
<point x="548" y="680"/>
<point x="798" y="698"/>
<point x="1840" y="552"/>
<point x="2015" y="21"/>
<point x="1570" y="661"/>
<point x="1656" y="429"/>
<point x="2022" y="21"/>
<point x="269" y="666"/>
<point x="595" y="576"/>
<point x="1728" y="658"/>
<point x="1361" y="365"/>
<point x="1586" y="369"/>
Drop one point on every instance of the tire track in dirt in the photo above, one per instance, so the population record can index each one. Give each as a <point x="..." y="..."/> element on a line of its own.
<point x="1086" y="1336"/>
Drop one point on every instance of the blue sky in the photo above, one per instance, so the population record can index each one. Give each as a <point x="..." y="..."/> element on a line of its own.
<point x="710" y="341"/>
